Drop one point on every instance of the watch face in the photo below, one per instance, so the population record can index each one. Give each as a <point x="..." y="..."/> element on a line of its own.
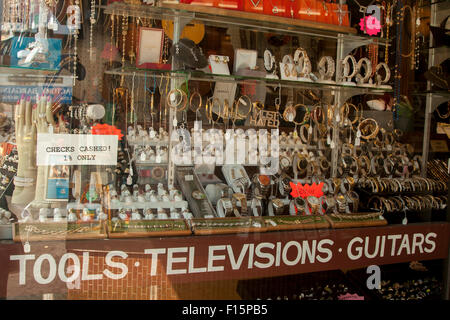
<point x="264" y="180"/>
<point x="227" y="204"/>
<point x="313" y="200"/>
<point x="285" y="162"/>
<point x="198" y="195"/>
<point x="278" y="203"/>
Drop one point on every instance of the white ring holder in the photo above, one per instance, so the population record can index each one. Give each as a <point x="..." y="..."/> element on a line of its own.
<point x="287" y="66"/>
<point x="303" y="65"/>
<point x="346" y="75"/>
<point x="380" y="82"/>
<point x="363" y="80"/>
<point x="327" y="69"/>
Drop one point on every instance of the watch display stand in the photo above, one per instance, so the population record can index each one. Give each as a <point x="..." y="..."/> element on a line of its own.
<point x="239" y="173"/>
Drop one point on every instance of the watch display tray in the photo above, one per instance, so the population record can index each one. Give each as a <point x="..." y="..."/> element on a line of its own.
<point x="228" y="225"/>
<point x="288" y="222"/>
<point x="42" y="231"/>
<point x="342" y="222"/>
<point x="148" y="228"/>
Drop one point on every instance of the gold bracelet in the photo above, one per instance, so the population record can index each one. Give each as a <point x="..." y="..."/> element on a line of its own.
<point x="200" y="103"/>
<point x="178" y="102"/>
<point x="237" y="115"/>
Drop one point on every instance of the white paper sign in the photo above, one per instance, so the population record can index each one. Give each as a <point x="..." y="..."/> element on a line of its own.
<point x="76" y="149"/>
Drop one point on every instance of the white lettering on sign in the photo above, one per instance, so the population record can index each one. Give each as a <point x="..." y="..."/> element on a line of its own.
<point x="76" y="149"/>
<point x="73" y="268"/>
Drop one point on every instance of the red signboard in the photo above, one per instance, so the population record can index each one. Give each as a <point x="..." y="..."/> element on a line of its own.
<point x="130" y="263"/>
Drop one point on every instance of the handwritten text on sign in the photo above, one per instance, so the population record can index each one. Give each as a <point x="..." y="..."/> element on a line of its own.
<point x="76" y="149"/>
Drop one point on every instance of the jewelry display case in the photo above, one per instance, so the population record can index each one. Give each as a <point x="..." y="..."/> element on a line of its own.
<point x="248" y="131"/>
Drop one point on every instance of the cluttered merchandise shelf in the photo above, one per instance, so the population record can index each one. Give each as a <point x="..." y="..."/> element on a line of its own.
<point x="272" y="137"/>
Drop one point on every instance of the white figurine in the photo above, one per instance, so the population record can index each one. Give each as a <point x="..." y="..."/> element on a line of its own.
<point x="148" y="215"/>
<point x="43" y="214"/>
<point x="72" y="216"/>
<point x="123" y="215"/>
<point x="162" y="214"/>
<point x="57" y="216"/>
<point x="135" y="215"/>
<point x="100" y="214"/>
<point x="86" y="215"/>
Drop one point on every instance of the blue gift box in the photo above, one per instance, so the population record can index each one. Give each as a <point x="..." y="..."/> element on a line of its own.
<point x="48" y="61"/>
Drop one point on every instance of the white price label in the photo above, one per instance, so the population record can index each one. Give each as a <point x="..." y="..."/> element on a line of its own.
<point x="189" y="177"/>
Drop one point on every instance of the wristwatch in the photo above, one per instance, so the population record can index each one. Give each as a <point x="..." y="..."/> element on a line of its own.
<point x="329" y="204"/>
<point x="314" y="204"/>
<point x="276" y="206"/>
<point x="225" y="207"/>
<point x="342" y="203"/>
<point x="241" y="197"/>
<point x="301" y="205"/>
<point x="354" y="197"/>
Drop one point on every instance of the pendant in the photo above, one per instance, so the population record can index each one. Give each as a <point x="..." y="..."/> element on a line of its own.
<point x="275" y="10"/>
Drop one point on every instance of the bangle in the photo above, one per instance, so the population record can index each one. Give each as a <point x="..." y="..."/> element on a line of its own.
<point x="178" y="102"/>
<point x="199" y="104"/>
<point x="209" y="108"/>
<point x="387" y="76"/>
<point x="346" y="71"/>
<point x="326" y="67"/>
<point x="237" y="115"/>
<point x="365" y="64"/>
<point x="369" y="122"/>
<point x="305" y="117"/>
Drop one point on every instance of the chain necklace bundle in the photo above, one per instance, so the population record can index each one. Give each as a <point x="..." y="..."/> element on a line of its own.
<point x="398" y="58"/>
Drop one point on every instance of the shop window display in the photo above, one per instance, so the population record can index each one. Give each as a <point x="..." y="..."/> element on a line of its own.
<point x="317" y="131"/>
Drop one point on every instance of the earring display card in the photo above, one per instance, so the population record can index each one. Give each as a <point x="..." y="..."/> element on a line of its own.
<point x="245" y="59"/>
<point x="219" y="64"/>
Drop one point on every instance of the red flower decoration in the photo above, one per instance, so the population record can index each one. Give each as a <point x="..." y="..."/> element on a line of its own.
<point x="304" y="191"/>
<point x="106" y="129"/>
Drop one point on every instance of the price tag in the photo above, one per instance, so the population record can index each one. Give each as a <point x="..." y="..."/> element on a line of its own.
<point x="189" y="177"/>
<point x="175" y="122"/>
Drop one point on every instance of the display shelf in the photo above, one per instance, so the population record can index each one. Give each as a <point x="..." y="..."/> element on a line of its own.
<point x="209" y="77"/>
<point x="224" y="18"/>
<point x="277" y="223"/>
<point x="358" y="220"/>
<point x="148" y="228"/>
<point x="40" y="231"/>
<point x="149" y="205"/>
<point x="227" y="225"/>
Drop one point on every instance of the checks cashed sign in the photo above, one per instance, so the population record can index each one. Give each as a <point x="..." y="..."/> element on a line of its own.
<point x="76" y="149"/>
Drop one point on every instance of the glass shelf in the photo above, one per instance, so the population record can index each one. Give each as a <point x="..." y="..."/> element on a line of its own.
<point x="251" y="21"/>
<point x="209" y="77"/>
